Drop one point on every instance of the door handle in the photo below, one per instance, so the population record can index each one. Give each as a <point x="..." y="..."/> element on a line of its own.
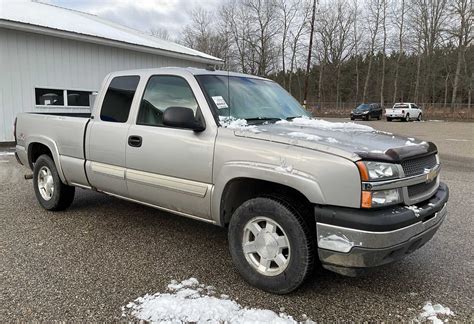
<point x="135" y="141"/>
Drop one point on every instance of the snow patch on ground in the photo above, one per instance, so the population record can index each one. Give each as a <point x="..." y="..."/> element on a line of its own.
<point x="7" y="153"/>
<point x="322" y="124"/>
<point x="431" y="312"/>
<point x="187" y="301"/>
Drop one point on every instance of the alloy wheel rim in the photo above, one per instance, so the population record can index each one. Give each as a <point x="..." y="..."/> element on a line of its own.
<point x="45" y="183"/>
<point x="266" y="246"/>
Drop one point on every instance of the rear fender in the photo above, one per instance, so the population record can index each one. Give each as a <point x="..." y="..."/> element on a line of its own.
<point x="51" y="145"/>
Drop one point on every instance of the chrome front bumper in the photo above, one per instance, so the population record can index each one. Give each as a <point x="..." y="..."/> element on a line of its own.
<point x="347" y="250"/>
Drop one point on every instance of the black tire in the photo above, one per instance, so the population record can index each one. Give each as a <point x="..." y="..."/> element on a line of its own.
<point x="352" y="118"/>
<point x="367" y="117"/>
<point x="301" y="244"/>
<point x="62" y="195"/>
<point x="379" y="117"/>
<point x="420" y="117"/>
<point x="407" y="118"/>
<point x="389" y="119"/>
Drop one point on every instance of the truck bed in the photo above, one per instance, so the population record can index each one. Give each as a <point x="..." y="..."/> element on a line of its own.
<point x="67" y="130"/>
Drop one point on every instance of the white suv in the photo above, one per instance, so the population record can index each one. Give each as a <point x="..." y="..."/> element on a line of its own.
<point x="405" y="111"/>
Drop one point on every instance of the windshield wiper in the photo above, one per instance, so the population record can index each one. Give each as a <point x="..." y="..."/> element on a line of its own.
<point x="293" y="117"/>
<point x="262" y="119"/>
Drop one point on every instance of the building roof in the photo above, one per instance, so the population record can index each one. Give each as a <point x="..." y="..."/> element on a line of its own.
<point x="52" y="20"/>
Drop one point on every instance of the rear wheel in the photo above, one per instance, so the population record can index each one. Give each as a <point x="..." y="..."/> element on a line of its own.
<point x="51" y="193"/>
<point x="407" y="118"/>
<point x="271" y="245"/>
<point x="389" y="119"/>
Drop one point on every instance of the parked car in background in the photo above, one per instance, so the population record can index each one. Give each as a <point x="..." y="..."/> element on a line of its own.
<point x="404" y="111"/>
<point x="367" y="111"/>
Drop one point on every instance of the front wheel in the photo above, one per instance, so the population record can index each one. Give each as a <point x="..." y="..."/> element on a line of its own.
<point x="271" y="245"/>
<point x="420" y="117"/>
<point x="51" y="193"/>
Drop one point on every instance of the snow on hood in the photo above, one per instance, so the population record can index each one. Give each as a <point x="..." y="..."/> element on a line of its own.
<point x="347" y="139"/>
<point x="189" y="301"/>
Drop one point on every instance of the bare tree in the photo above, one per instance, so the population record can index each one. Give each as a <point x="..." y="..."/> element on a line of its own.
<point x="296" y="33"/>
<point x="356" y="40"/>
<point x="373" y="19"/>
<point x="462" y="31"/>
<point x="399" y="21"/>
<point x="429" y="17"/>
<point x="310" y="48"/>
<point x="384" y="47"/>
<point x="160" y="33"/>
<point x="264" y="13"/>
<point x="334" y="28"/>
<point x="288" y="12"/>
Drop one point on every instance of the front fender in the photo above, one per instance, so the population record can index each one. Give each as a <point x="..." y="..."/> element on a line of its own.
<point x="301" y="181"/>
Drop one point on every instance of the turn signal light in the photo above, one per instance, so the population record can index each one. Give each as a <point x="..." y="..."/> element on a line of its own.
<point x="366" y="199"/>
<point x="364" y="173"/>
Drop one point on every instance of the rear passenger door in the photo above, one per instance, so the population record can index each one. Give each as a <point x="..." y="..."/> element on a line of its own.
<point x="107" y="136"/>
<point x="170" y="167"/>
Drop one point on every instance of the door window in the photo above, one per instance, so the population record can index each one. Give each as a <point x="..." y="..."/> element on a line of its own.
<point x="162" y="92"/>
<point x="118" y="99"/>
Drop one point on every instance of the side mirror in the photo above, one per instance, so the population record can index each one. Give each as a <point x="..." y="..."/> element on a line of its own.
<point x="182" y="117"/>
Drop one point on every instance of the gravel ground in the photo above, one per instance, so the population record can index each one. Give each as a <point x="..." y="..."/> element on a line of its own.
<point x="85" y="263"/>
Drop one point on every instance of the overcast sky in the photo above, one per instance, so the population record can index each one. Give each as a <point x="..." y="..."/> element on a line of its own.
<point x="141" y="14"/>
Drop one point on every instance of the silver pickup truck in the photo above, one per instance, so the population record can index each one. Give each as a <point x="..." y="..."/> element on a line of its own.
<point x="238" y="151"/>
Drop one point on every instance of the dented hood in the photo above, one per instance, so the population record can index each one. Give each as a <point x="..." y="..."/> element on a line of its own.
<point x="350" y="140"/>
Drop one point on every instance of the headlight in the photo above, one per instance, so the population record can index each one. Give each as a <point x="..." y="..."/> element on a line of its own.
<point x="371" y="170"/>
<point x="365" y="112"/>
<point x="373" y="199"/>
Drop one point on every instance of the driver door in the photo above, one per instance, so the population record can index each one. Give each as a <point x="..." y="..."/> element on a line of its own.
<point x="169" y="167"/>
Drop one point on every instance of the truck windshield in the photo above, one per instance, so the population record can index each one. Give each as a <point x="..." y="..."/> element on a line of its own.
<point x="249" y="98"/>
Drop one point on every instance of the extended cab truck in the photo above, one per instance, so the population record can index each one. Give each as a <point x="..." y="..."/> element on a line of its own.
<point x="238" y="151"/>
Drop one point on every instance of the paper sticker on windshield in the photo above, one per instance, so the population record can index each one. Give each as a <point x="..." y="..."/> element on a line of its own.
<point x="220" y="102"/>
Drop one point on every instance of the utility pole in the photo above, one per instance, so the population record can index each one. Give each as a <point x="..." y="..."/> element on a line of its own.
<point x="308" y="66"/>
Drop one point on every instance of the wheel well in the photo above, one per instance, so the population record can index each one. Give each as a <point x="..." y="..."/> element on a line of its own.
<point x="239" y="190"/>
<point x="35" y="150"/>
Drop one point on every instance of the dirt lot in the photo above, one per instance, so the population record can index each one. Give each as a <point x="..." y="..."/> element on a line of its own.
<point x="89" y="261"/>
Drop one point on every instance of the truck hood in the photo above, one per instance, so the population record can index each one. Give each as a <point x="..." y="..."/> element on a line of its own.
<point x="349" y="140"/>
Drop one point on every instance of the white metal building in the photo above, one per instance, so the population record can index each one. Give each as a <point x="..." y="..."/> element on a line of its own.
<point x="52" y="59"/>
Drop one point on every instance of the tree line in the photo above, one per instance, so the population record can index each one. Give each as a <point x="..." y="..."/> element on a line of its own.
<point x="363" y="50"/>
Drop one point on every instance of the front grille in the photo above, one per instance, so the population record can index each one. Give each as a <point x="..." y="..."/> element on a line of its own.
<point x="418" y="165"/>
<point x="421" y="188"/>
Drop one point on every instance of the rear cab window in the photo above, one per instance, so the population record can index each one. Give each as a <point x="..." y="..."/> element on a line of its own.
<point x="401" y="106"/>
<point x="118" y="99"/>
